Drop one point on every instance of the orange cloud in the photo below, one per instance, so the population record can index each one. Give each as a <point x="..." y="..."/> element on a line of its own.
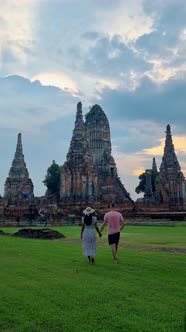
<point x="138" y="171"/>
<point x="179" y="145"/>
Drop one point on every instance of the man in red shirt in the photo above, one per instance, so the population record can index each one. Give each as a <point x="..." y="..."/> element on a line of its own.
<point x="115" y="222"/>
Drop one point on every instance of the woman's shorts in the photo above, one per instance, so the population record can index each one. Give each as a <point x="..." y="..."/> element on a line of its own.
<point x="113" y="238"/>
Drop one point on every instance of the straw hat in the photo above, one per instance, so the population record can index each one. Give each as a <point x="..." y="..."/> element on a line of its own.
<point x="88" y="210"/>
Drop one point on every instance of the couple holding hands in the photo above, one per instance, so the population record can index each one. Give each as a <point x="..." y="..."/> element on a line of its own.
<point x="115" y="222"/>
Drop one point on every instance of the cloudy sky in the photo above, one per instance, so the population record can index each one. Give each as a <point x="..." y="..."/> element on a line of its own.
<point x="128" y="56"/>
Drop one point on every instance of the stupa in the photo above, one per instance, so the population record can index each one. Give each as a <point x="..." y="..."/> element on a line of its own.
<point x="18" y="184"/>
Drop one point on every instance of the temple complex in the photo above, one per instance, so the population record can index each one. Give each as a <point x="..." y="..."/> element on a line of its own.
<point x="89" y="172"/>
<point x="18" y="184"/>
<point x="170" y="184"/>
<point x="89" y="177"/>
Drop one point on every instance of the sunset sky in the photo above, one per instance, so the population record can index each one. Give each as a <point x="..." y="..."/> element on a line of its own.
<point x="127" y="56"/>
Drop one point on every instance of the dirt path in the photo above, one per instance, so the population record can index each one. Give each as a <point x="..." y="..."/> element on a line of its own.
<point x="141" y="248"/>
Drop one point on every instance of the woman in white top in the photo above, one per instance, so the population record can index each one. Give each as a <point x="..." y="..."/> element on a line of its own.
<point x="88" y="233"/>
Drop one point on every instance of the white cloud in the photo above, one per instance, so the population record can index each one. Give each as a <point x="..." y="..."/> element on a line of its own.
<point x="30" y="106"/>
<point x="183" y="35"/>
<point x="58" y="79"/>
<point x="127" y="19"/>
<point x="16" y="31"/>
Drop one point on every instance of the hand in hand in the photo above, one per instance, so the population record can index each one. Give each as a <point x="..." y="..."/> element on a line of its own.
<point x="100" y="235"/>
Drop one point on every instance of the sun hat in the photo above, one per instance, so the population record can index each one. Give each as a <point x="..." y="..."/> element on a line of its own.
<point x="88" y="210"/>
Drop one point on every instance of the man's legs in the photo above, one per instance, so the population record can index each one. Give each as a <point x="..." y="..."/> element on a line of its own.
<point x="114" y="252"/>
<point x="116" y="260"/>
<point x="114" y="246"/>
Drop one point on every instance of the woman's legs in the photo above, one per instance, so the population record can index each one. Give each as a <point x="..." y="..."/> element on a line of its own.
<point x="91" y="259"/>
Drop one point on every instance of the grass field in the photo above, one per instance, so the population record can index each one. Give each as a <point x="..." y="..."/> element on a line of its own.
<point x="49" y="285"/>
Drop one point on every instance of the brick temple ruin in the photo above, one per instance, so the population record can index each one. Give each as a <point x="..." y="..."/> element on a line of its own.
<point x="18" y="184"/>
<point x="89" y="175"/>
<point x="170" y="183"/>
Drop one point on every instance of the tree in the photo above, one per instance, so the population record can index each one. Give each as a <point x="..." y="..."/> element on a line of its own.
<point x="141" y="186"/>
<point x="52" y="179"/>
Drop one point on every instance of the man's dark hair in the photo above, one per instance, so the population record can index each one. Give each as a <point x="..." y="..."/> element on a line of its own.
<point x="113" y="205"/>
<point x="88" y="219"/>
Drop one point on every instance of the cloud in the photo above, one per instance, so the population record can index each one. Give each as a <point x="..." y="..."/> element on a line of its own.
<point x="166" y="42"/>
<point x="161" y="104"/>
<point x="27" y="105"/>
<point x="60" y="80"/>
<point x="179" y="144"/>
<point x="128" y="19"/>
<point x="124" y="18"/>
<point x="129" y="167"/>
<point x="111" y="56"/>
<point x="132" y="136"/>
<point x="16" y="22"/>
<point x="91" y="47"/>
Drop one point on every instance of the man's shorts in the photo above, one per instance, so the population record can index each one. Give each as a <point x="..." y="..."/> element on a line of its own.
<point x="113" y="238"/>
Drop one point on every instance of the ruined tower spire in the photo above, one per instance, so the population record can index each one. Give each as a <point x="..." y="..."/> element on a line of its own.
<point x="18" y="181"/>
<point x="154" y="166"/>
<point x="19" y="148"/>
<point x="78" y="142"/>
<point x="171" y="186"/>
<point x="78" y="179"/>
<point x="169" y="159"/>
<point x="18" y="169"/>
<point x="79" y="116"/>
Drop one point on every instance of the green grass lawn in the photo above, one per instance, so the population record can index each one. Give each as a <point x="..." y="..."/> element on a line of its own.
<point x="49" y="285"/>
<point x="144" y="236"/>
